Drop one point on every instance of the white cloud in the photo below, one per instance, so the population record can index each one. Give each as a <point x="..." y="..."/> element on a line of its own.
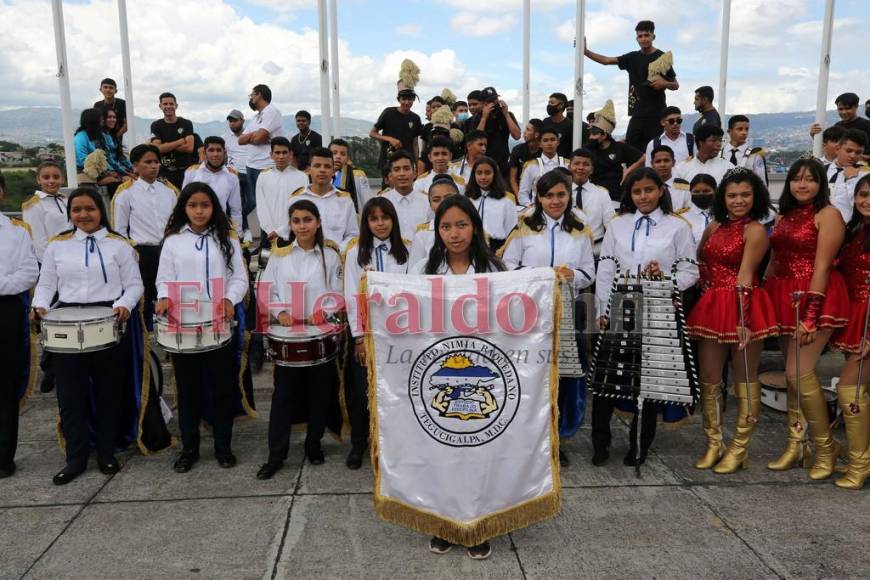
<point x="479" y="25"/>
<point x="410" y="29"/>
<point x="504" y="5"/>
<point x="284" y="5"/>
<point x="601" y="28"/>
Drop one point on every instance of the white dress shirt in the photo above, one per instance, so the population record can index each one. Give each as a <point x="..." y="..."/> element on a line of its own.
<point x="424" y="182"/>
<point x="18" y="268"/>
<point x="745" y="158"/>
<point x="226" y="186"/>
<point x="678" y="145"/>
<point x="320" y="273"/>
<point x="636" y="240"/>
<point x="424" y="239"/>
<point x="381" y="261"/>
<point x="46" y="216"/>
<point x="715" y="167"/>
<point x="532" y="171"/>
<point x="274" y="188"/>
<point x="597" y="207"/>
<point x="360" y="181"/>
<point x="681" y="196"/>
<point x="699" y="219"/>
<point x="89" y="268"/>
<point x="191" y="257"/>
<point x="499" y="216"/>
<point x="842" y="189"/>
<point x="413" y="209"/>
<point x="551" y="247"/>
<point x="237" y="155"/>
<point x="259" y="156"/>
<point x="140" y="210"/>
<point x="462" y="168"/>
<point x="337" y="215"/>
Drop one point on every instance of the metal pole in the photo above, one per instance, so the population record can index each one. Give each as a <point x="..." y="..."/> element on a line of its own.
<point x="824" y="71"/>
<point x="579" y="47"/>
<point x="527" y="36"/>
<point x="128" y="75"/>
<point x="326" y="122"/>
<point x="723" y="54"/>
<point x="333" y="50"/>
<point x="65" y="99"/>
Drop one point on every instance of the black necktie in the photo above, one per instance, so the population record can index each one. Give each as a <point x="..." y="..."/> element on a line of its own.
<point x="836" y="174"/>
<point x="734" y="157"/>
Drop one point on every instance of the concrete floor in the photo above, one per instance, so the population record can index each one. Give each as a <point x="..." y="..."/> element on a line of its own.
<point x="318" y="522"/>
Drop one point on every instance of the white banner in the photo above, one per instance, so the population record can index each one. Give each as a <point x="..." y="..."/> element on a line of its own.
<point x="463" y="383"/>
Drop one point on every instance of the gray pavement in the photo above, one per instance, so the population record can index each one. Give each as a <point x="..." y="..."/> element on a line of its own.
<point x="318" y="522"/>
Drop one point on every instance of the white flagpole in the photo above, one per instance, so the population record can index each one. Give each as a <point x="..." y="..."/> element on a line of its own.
<point x="579" y="47"/>
<point x="326" y="121"/>
<point x="128" y="75"/>
<point x="723" y="54"/>
<point x="333" y="46"/>
<point x="65" y="99"/>
<point x="527" y="35"/>
<point x="824" y="71"/>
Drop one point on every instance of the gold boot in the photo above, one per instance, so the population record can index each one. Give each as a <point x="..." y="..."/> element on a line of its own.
<point x="857" y="435"/>
<point x="816" y="411"/>
<point x="748" y="409"/>
<point x="711" y="409"/>
<point x="797" y="450"/>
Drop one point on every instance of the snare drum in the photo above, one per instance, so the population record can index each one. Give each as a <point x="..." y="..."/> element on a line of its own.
<point x="196" y="333"/>
<point x="76" y="329"/>
<point x="306" y="347"/>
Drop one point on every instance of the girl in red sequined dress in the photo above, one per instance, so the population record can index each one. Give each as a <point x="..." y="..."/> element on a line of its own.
<point x="852" y="390"/>
<point x="733" y="315"/>
<point x="806" y="237"/>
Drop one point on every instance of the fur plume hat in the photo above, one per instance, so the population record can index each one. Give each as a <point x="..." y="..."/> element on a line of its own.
<point x="605" y="119"/>
<point x="409" y="76"/>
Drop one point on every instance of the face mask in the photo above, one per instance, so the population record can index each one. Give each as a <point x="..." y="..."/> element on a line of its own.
<point x="702" y="200"/>
<point x="251" y="104"/>
<point x="553" y="109"/>
<point x="464" y="116"/>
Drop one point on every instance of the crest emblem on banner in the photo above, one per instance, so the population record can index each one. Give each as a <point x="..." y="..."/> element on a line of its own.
<point x="464" y="391"/>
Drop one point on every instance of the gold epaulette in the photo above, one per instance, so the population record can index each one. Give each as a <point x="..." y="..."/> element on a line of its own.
<point x="194" y="167"/>
<point x="332" y="245"/>
<point x="22" y="224"/>
<point x="30" y="202"/>
<point x="681" y="185"/>
<point x="510" y="195"/>
<point x="758" y="151"/>
<point x="458" y="179"/>
<point x="115" y="236"/>
<point x="62" y="236"/>
<point x="170" y="185"/>
<point x="683" y="218"/>
<point x="359" y="173"/>
<point x="268" y="169"/>
<point x="297" y="192"/>
<point x="352" y="243"/>
<point x="232" y="170"/>
<point x="124" y="185"/>
<point x="520" y="230"/>
<point x="863" y="168"/>
<point x="422" y="227"/>
<point x="530" y="162"/>
<point x="406" y="241"/>
<point x="423" y="175"/>
<point x="681" y="211"/>
<point x="342" y="193"/>
<point x="234" y="235"/>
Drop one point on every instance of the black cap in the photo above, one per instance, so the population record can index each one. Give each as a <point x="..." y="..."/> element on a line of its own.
<point x="407" y="93"/>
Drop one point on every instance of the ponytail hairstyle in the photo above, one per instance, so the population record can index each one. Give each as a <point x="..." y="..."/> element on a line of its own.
<point x="497" y="189"/>
<point x="367" y="238"/>
<point x="219" y="223"/>
<point x="480" y="254"/>
<point x="544" y="184"/>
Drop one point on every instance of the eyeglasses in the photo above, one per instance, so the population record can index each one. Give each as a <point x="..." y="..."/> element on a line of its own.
<point x="678" y="121"/>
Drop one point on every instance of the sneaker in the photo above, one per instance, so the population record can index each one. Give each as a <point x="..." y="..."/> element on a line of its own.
<point x="439" y="546"/>
<point x="480" y="551"/>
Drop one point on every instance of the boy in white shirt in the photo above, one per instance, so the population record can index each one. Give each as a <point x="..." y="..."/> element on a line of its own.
<point x="411" y="206"/>
<point x="274" y="187"/>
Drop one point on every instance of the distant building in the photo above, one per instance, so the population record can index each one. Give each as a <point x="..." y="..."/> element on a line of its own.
<point x="13" y="158"/>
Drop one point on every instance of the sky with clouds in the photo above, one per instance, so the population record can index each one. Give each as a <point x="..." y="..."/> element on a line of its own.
<point x="211" y="52"/>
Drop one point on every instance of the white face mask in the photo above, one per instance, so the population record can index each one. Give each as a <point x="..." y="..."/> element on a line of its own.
<point x="464" y="116"/>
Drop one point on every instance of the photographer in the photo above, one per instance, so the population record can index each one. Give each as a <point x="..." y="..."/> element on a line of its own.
<point x="498" y="124"/>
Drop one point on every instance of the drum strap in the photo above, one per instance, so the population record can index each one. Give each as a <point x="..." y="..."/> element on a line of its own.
<point x="69" y="304"/>
<point x="90" y="244"/>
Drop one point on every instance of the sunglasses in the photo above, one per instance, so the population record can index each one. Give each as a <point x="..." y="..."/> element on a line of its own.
<point x="678" y="121"/>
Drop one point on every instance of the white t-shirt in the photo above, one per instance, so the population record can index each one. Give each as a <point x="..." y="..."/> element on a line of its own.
<point x="269" y="119"/>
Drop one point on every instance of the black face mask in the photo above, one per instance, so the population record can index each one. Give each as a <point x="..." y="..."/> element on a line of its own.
<point x="252" y="105"/>
<point x="553" y="109"/>
<point x="702" y="200"/>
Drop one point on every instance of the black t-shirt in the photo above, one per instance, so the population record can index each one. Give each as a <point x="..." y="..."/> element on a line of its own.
<point x="497" y="137"/>
<point x="859" y="123"/>
<point x="565" y="127"/>
<point x="607" y="166"/>
<point x="302" y="147"/>
<point x="711" y="117"/>
<point x="520" y="155"/>
<point x="643" y="101"/>
<point x="405" y="128"/>
<point x="167" y="133"/>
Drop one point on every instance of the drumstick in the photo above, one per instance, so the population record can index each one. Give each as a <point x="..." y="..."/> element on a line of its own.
<point x="796" y="302"/>
<point x="854" y="406"/>
<point x="750" y="418"/>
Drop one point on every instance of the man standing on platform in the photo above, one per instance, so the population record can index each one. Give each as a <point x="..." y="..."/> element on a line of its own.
<point x="237" y="158"/>
<point x="557" y="109"/>
<point x="261" y="129"/>
<point x="646" y="96"/>
<point x="305" y="140"/>
<point x="109" y="88"/>
<point x="173" y="137"/>
<point x="708" y="115"/>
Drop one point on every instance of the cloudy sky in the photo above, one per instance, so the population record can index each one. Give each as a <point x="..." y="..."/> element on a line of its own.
<point x="211" y="52"/>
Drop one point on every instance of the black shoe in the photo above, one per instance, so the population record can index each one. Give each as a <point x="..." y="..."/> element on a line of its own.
<point x="630" y="459"/>
<point x="269" y="469"/>
<point x="110" y="467"/>
<point x="185" y="461"/>
<point x="66" y="475"/>
<point x="47" y="384"/>
<point x="315" y="457"/>
<point x="600" y="457"/>
<point x="563" y="458"/>
<point x="7" y="470"/>
<point x="480" y="551"/>
<point x="226" y="459"/>
<point x="439" y="546"/>
<point x="355" y="458"/>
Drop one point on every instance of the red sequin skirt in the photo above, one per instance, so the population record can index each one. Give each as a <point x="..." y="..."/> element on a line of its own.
<point x="835" y="308"/>
<point x="848" y="338"/>
<point x="715" y="316"/>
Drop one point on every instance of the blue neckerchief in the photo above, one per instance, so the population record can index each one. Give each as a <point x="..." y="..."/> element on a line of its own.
<point x="90" y="244"/>
<point x="379" y="256"/>
<point x="638" y="224"/>
<point x="553" y="243"/>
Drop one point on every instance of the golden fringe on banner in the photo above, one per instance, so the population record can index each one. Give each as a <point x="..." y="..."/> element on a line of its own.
<point x="490" y="526"/>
